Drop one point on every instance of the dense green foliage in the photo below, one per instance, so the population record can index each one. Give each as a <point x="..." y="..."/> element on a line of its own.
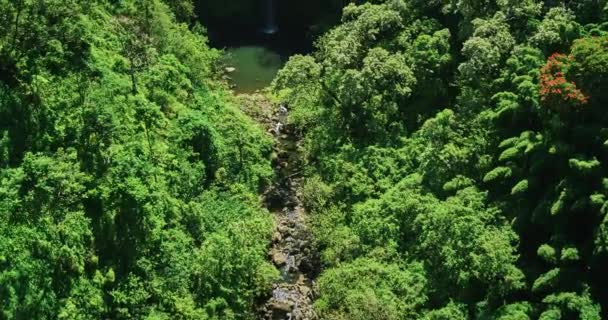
<point x="456" y="162"/>
<point x="457" y="159"/>
<point x="128" y="178"/>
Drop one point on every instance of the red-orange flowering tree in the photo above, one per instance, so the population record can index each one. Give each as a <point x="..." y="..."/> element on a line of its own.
<point x="556" y="91"/>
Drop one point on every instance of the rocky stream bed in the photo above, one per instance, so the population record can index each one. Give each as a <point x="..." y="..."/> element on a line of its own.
<point x="292" y="251"/>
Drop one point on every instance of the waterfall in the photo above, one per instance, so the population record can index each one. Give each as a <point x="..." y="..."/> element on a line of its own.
<point x="270" y="26"/>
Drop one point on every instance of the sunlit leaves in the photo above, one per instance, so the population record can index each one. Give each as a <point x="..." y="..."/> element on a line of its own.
<point x="584" y="167"/>
<point x="589" y="66"/>
<point x="366" y="289"/>
<point x="557" y="30"/>
<point x="490" y="43"/>
<point x="237" y="275"/>
<point x="486" y="251"/>
<point x="452" y="311"/>
<point x="520" y="187"/>
<point x="579" y="305"/>
<point x="546" y="281"/>
<point x="498" y="173"/>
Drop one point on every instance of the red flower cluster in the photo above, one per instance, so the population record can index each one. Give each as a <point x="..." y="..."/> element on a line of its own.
<point x="555" y="90"/>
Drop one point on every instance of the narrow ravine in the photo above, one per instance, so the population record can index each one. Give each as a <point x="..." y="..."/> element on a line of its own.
<point x="292" y="251"/>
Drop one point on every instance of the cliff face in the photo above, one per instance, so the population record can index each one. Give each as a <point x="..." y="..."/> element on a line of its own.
<point x="246" y="14"/>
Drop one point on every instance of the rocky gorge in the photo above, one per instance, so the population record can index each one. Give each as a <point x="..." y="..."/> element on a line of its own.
<point x="292" y="250"/>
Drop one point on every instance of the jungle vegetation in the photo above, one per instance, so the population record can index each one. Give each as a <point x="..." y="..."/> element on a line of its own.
<point x="456" y="163"/>
<point x="129" y="178"/>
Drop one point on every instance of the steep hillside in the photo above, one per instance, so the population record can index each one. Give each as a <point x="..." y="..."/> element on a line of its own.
<point x="457" y="159"/>
<point x="129" y="177"/>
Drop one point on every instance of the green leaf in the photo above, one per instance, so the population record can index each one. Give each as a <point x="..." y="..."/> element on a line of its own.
<point x="508" y="142"/>
<point x="570" y="254"/>
<point x="546" y="281"/>
<point x="547" y="253"/>
<point x="559" y="204"/>
<point x="585" y="167"/>
<point x="497" y="173"/>
<point x="597" y="200"/>
<point x="510" y="154"/>
<point x="520" y="187"/>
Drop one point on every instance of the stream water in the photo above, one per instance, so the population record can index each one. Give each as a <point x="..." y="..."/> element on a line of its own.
<point x="253" y="58"/>
<point x="292" y="250"/>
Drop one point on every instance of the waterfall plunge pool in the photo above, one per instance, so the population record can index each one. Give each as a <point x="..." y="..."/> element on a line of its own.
<point x="258" y="54"/>
<point x="255" y="67"/>
<point x="257" y="48"/>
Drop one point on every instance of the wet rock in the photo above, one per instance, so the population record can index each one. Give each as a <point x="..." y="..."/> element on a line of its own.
<point x="292" y="297"/>
<point x="281" y="306"/>
<point x="290" y="239"/>
<point x="305" y="291"/>
<point x="282" y="228"/>
<point x="278" y="258"/>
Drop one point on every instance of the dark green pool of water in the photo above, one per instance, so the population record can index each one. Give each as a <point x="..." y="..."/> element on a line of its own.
<point x="256" y="66"/>
<point x="255" y="54"/>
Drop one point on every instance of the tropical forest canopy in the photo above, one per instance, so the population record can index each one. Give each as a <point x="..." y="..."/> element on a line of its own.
<point x="456" y="162"/>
